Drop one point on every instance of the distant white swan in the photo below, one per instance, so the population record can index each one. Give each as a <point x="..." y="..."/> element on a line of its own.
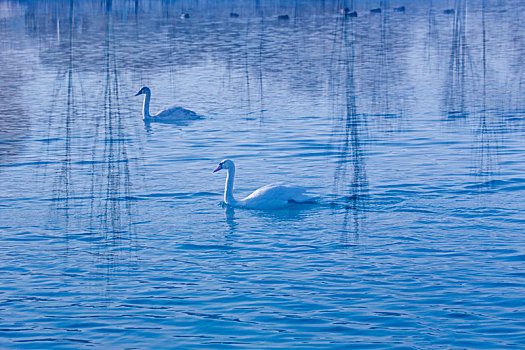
<point x="171" y="114"/>
<point x="267" y="197"/>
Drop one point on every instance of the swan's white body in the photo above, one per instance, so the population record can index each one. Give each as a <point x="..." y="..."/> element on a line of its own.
<point x="271" y="196"/>
<point x="171" y="114"/>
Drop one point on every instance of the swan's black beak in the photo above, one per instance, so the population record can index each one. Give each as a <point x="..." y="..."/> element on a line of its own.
<point x="138" y="93"/>
<point x="218" y="168"/>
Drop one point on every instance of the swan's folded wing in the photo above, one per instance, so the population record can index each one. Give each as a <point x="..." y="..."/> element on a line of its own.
<point x="276" y="195"/>
<point x="176" y="113"/>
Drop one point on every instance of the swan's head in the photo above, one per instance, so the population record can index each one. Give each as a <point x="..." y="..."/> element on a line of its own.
<point x="144" y="90"/>
<point x="225" y="164"/>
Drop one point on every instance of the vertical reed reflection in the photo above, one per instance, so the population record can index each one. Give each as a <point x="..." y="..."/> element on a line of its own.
<point x="92" y="182"/>
<point x="118" y="200"/>
<point x="63" y="185"/>
<point x="381" y="71"/>
<point x="350" y="181"/>
<point x="261" y="75"/>
<point x="112" y="205"/>
<point x="388" y="41"/>
<point x="246" y="64"/>
<point x="485" y="142"/>
<point x="433" y="33"/>
<point x="459" y="62"/>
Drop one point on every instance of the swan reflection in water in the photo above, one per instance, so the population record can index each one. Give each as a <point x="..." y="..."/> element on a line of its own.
<point x="273" y="219"/>
<point x="271" y="196"/>
<point x="174" y="115"/>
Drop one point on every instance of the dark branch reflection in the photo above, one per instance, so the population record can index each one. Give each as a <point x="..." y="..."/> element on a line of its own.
<point x="63" y="186"/>
<point x="91" y="146"/>
<point x="460" y="64"/>
<point x="350" y="182"/>
<point x="486" y="145"/>
<point x="118" y="201"/>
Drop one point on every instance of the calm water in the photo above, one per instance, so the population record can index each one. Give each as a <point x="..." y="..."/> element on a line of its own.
<point x="409" y="127"/>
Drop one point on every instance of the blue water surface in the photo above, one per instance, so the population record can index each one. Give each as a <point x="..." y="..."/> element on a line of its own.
<point x="407" y="125"/>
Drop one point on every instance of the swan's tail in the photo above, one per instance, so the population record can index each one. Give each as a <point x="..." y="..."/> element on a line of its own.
<point x="302" y="198"/>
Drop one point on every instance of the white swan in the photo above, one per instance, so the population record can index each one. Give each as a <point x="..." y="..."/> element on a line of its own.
<point x="267" y="197"/>
<point x="171" y="114"/>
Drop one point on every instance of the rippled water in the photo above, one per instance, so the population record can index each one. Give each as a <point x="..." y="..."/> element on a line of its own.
<point x="408" y="126"/>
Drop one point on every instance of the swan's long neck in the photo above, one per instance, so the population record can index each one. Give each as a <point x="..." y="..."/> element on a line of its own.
<point x="145" y="106"/>
<point x="228" y="189"/>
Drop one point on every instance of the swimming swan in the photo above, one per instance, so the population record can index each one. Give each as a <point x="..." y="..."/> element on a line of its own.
<point x="173" y="114"/>
<point x="267" y="197"/>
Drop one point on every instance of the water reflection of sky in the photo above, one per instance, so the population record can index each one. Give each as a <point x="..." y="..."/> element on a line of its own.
<point x="75" y="66"/>
<point x="256" y="49"/>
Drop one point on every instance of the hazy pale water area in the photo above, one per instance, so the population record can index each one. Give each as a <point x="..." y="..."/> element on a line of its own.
<point x="407" y="124"/>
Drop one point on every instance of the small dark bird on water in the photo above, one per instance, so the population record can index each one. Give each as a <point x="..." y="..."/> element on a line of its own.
<point x="283" y="17"/>
<point x="377" y="10"/>
<point x="185" y="15"/>
<point x="347" y="13"/>
<point x="448" y="11"/>
<point x="399" y="9"/>
<point x="234" y="15"/>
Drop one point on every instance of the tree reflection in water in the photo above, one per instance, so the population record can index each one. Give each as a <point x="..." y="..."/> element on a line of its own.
<point x="350" y="182"/>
